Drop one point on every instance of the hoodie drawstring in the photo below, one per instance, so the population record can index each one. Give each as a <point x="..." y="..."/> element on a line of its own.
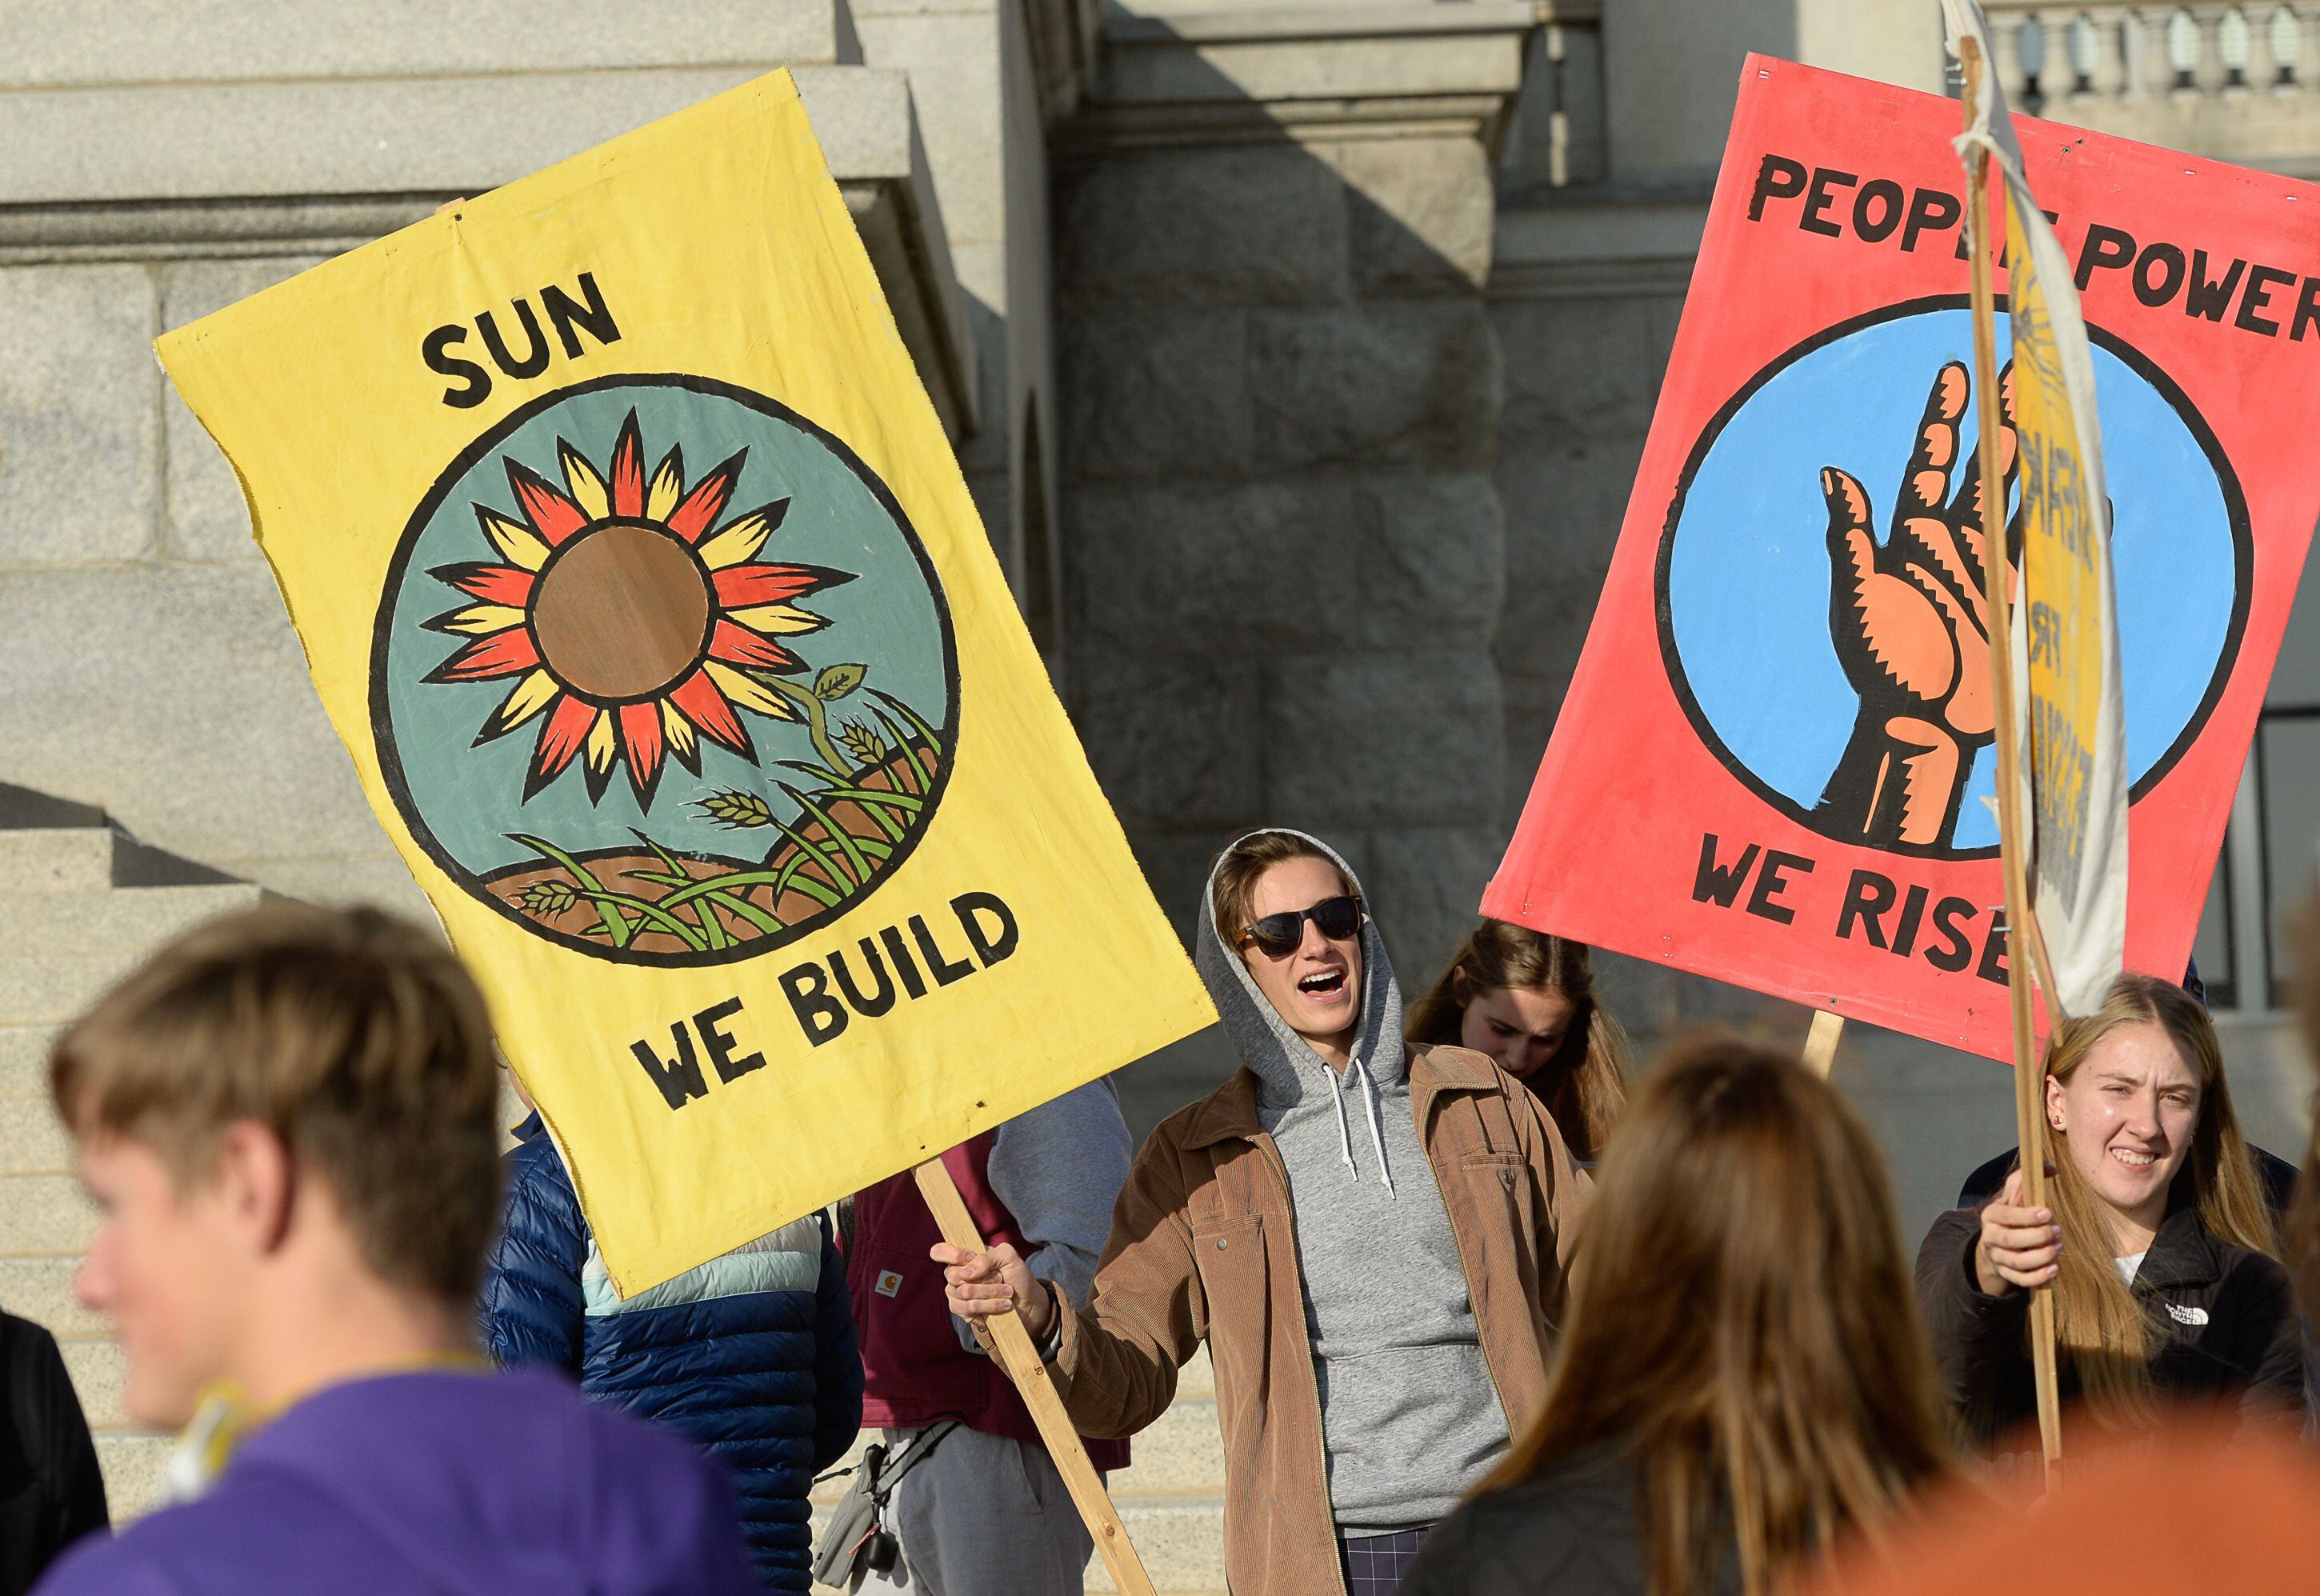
<point x="1377" y="1134"/>
<point x="1344" y="1131"/>
<point x="1345" y="1127"/>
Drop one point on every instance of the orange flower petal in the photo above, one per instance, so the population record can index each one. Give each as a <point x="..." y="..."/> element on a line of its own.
<point x="640" y="740"/>
<point x="493" y="584"/>
<point x="700" y="507"/>
<point x="629" y="471"/>
<point x="559" y="740"/>
<point x="508" y="654"/>
<point x="551" y="514"/>
<point x="741" y="587"/>
<point x="738" y="645"/>
<point x="705" y="707"/>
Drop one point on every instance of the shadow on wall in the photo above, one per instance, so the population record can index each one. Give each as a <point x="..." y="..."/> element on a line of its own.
<point x="1281" y="545"/>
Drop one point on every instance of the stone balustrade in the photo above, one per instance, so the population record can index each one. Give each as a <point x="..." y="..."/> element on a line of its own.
<point x="2241" y="82"/>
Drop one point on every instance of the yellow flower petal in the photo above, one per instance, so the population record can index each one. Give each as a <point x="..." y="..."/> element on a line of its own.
<point x="750" y="693"/>
<point x="517" y="543"/>
<point x="602" y="746"/>
<point x="668" y="487"/>
<point x="779" y="620"/>
<point x="478" y="620"/>
<point x="580" y="479"/>
<point x="676" y="728"/>
<point x="534" y="693"/>
<point x="737" y="542"/>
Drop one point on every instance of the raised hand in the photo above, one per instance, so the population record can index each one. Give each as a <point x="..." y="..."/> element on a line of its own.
<point x="1911" y="625"/>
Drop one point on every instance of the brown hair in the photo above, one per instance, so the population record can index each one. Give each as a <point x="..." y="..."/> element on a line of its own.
<point x="1742" y="1324"/>
<point x="1239" y="865"/>
<point x="356" y="1038"/>
<point x="2300" y="1230"/>
<point x="2099" y="1325"/>
<point x="1585" y="1084"/>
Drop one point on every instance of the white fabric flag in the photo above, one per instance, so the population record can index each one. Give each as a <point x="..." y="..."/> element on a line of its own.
<point x="2069" y="715"/>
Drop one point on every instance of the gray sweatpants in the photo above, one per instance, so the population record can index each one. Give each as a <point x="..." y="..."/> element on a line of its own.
<point x="985" y="1516"/>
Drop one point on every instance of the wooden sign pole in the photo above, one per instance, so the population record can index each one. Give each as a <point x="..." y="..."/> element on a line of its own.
<point x="1007" y="1340"/>
<point x="2029" y="1067"/>
<point x="1821" y="1042"/>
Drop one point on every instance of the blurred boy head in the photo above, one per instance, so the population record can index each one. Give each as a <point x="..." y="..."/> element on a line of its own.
<point x="286" y="1120"/>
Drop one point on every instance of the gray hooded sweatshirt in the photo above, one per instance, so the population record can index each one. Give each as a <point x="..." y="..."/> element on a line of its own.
<point x="1410" y="1417"/>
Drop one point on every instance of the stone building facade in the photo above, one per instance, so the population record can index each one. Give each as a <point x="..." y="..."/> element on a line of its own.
<point x="1299" y="353"/>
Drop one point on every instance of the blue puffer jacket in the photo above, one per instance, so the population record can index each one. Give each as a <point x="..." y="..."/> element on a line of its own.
<point x="751" y="1354"/>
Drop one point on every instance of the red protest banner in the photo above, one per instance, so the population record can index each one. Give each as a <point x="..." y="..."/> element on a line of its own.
<point x="1772" y="764"/>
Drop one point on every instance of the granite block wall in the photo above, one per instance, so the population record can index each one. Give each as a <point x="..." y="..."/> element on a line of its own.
<point x="1281" y="395"/>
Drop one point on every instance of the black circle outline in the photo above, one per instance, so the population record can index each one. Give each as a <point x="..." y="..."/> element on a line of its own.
<point x="390" y="762"/>
<point x="2234" y="508"/>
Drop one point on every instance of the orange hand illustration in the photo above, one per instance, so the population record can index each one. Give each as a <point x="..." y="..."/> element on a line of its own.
<point x="1911" y="627"/>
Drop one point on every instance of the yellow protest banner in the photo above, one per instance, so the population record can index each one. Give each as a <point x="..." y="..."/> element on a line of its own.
<point x="635" y="569"/>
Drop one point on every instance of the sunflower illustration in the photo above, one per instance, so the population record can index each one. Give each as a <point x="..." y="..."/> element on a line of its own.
<point x="631" y="622"/>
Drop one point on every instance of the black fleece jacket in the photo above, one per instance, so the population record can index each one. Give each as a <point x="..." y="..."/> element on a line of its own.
<point x="2223" y="1320"/>
<point x="1569" y="1530"/>
<point x="51" y="1493"/>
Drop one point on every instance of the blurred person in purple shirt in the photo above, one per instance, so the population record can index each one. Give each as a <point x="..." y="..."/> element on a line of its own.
<point x="286" y="1121"/>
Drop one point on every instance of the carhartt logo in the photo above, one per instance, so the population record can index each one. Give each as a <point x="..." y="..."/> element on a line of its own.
<point x="890" y="1285"/>
<point x="2187" y="1316"/>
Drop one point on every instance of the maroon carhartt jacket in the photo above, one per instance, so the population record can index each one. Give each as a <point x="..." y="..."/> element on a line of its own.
<point x="915" y="1371"/>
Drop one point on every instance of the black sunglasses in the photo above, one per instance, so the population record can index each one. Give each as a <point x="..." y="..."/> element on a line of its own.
<point x="1340" y="919"/>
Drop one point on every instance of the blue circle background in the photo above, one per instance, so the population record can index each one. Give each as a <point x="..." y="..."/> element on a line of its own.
<point x="469" y="798"/>
<point x="1747" y="576"/>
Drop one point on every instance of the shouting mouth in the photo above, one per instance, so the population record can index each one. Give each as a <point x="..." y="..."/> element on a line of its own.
<point x="1323" y="985"/>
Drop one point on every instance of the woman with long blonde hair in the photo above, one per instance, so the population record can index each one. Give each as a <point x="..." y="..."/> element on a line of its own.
<point x="1528" y="1000"/>
<point x="1742" y="1380"/>
<point x="2158" y="1240"/>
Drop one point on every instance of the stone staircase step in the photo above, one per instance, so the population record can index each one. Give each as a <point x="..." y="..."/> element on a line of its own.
<point x="55" y="989"/>
<point x="1181" y="1543"/>
<point x="56" y="859"/>
<point x="24" y="1059"/>
<point x="110" y="920"/>
<point x="132" y="1462"/>
<point x="33" y="1139"/>
<point x="40" y="1289"/>
<point x="44" y="1216"/>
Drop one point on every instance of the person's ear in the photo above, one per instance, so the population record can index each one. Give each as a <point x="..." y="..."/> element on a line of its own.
<point x="2054" y="1114"/>
<point x="1462" y="985"/>
<point x="256" y="1182"/>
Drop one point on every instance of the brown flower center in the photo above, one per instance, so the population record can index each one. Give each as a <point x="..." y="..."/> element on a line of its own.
<point x="622" y="612"/>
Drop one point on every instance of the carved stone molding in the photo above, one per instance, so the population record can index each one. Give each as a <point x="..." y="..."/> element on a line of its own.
<point x="225" y="167"/>
<point x="1309" y="73"/>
